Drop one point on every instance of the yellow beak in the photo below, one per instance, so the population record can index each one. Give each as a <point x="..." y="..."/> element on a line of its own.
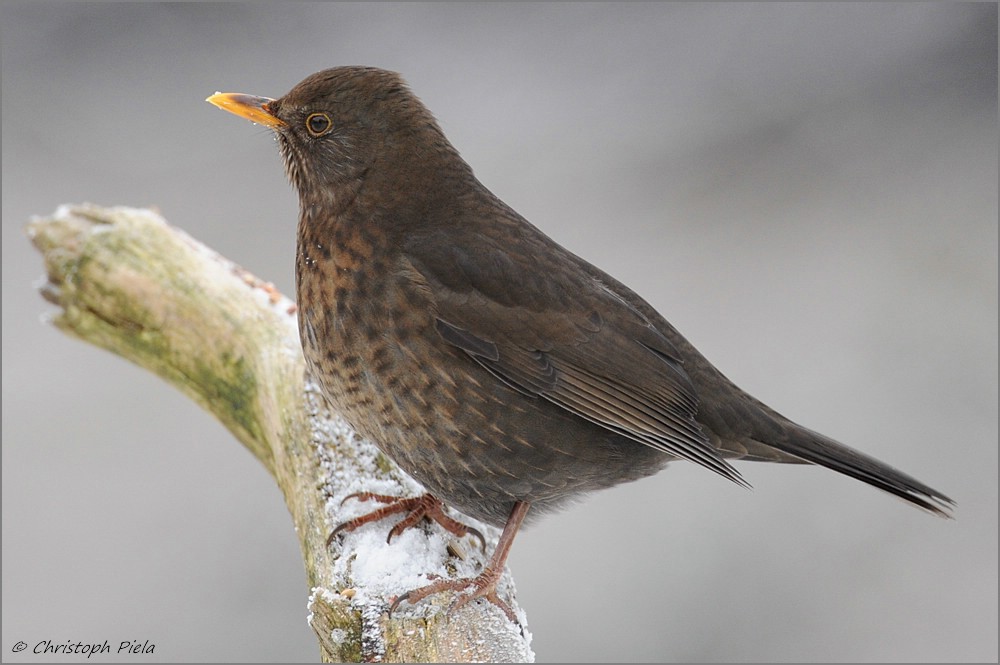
<point x="252" y="108"/>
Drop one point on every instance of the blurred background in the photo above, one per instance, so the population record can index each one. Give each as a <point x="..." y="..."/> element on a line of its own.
<point x="807" y="191"/>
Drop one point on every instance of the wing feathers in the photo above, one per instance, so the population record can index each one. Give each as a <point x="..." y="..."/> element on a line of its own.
<point x="568" y="338"/>
<point x="662" y="419"/>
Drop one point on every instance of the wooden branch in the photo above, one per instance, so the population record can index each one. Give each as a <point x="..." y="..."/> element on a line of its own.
<point x="130" y="283"/>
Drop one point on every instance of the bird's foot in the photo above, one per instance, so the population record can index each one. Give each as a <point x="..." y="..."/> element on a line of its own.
<point x="485" y="584"/>
<point x="482" y="586"/>
<point x="415" y="508"/>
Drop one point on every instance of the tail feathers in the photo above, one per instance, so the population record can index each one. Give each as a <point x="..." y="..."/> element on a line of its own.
<point x="818" y="449"/>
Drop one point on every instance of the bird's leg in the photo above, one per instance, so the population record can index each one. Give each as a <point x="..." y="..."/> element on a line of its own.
<point x="483" y="585"/>
<point x="416" y="509"/>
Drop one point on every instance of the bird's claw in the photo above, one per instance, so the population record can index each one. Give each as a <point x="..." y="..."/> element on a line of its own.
<point x="483" y="586"/>
<point x="416" y="508"/>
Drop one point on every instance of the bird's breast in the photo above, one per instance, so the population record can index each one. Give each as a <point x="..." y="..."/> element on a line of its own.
<point x="365" y="341"/>
<point x="367" y="324"/>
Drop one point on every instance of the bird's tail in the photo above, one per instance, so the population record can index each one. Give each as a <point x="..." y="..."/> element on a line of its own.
<point x="810" y="446"/>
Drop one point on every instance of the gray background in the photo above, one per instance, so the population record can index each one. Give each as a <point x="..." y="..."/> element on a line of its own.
<point x="808" y="192"/>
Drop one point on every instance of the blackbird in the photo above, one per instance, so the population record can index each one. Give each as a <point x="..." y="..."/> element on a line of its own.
<point x="497" y="368"/>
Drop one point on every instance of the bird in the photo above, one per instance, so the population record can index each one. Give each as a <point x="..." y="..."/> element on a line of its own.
<point x="500" y="370"/>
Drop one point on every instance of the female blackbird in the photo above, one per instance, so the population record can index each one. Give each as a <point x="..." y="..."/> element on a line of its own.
<point x="494" y="366"/>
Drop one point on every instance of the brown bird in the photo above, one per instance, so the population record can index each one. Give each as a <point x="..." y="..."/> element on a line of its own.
<point x="494" y="366"/>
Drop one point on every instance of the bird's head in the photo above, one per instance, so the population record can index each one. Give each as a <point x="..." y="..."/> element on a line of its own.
<point x="347" y="128"/>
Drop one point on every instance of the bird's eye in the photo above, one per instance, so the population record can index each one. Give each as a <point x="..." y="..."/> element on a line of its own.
<point x="318" y="124"/>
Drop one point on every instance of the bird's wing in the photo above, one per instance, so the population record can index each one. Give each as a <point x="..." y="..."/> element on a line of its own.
<point x="561" y="335"/>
